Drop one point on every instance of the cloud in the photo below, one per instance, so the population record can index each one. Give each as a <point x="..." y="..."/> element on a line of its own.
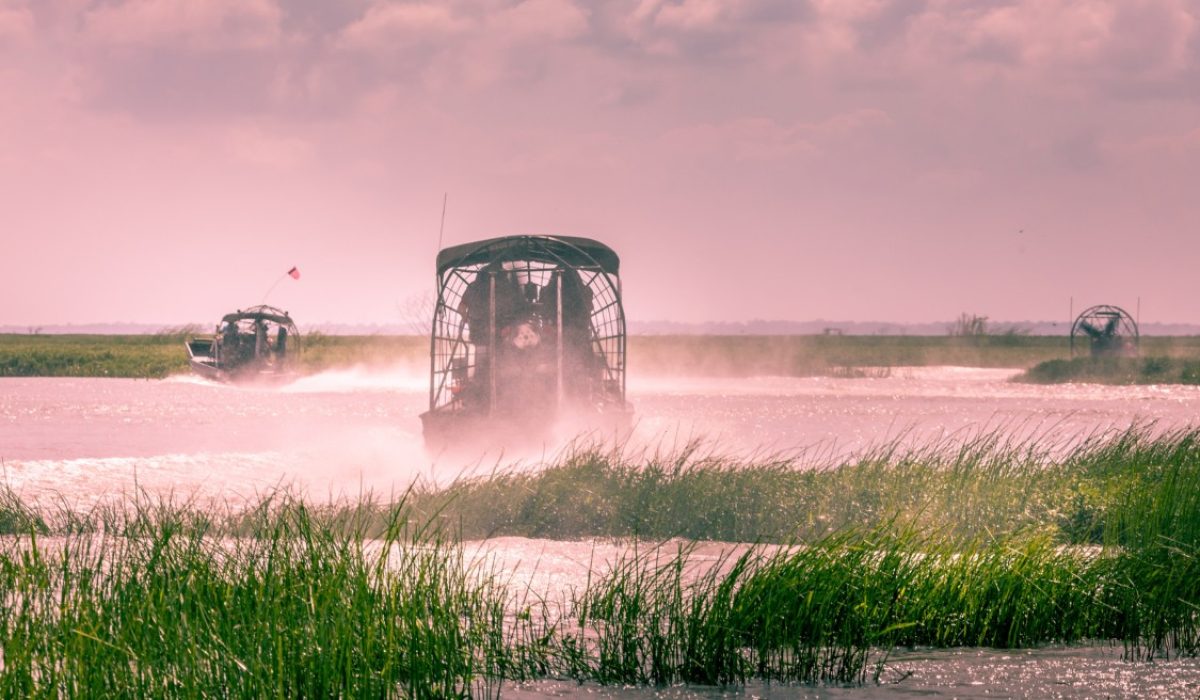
<point x="468" y="46"/>
<point x="764" y="139"/>
<point x="1070" y="46"/>
<point x="259" y="146"/>
<point x="1180" y="143"/>
<point x="554" y="20"/>
<point x="185" y="24"/>
<point x="710" y="28"/>
<point x="16" y="23"/>
<point x="386" y="26"/>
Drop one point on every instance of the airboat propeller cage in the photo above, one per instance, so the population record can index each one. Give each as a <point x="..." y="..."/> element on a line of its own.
<point x="1109" y="331"/>
<point x="525" y="326"/>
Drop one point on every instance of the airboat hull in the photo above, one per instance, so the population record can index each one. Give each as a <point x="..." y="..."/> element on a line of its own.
<point x="208" y="371"/>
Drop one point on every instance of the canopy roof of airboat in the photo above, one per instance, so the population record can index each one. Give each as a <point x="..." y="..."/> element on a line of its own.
<point x="265" y="313"/>
<point x="567" y="250"/>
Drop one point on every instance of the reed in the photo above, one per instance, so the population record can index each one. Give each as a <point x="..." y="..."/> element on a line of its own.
<point x="949" y="545"/>
<point x="831" y="611"/>
<point x="162" y="601"/>
<point x="1076" y="490"/>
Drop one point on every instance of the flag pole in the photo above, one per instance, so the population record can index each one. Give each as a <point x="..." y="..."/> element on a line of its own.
<point x="442" y="227"/>
<point x="290" y="273"/>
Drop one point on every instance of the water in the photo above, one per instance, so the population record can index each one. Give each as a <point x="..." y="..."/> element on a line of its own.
<point x="963" y="674"/>
<point x="346" y="431"/>
<point x="342" y="433"/>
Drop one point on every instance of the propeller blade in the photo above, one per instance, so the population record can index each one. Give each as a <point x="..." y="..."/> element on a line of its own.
<point x="1111" y="327"/>
<point x="1090" y="329"/>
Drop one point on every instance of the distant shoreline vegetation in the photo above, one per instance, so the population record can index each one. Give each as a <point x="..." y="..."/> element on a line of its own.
<point x="1114" y="370"/>
<point x="1168" y="359"/>
<point x="163" y="354"/>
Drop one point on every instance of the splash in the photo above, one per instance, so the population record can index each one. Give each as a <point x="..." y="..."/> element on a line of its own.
<point x="362" y="378"/>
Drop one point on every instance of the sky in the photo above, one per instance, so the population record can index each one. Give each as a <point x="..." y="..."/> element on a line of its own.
<point x="165" y="161"/>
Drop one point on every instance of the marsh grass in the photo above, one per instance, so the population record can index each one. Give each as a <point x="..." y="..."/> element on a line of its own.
<point x="1076" y="490"/>
<point x="91" y="355"/>
<point x="1155" y="369"/>
<point x="164" y="601"/>
<point x="948" y="545"/>
<point x="323" y="351"/>
<point x="163" y="354"/>
<point x="713" y="356"/>
<point x="830" y="611"/>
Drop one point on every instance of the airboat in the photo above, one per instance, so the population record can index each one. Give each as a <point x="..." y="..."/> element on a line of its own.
<point x="260" y="343"/>
<point x="1107" y="331"/>
<point x="528" y="337"/>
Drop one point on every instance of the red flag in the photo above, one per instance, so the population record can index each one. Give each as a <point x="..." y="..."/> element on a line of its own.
<point x="295" y="273"/>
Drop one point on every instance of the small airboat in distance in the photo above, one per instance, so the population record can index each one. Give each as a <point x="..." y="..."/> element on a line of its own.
<point x="260" y="343"/>
<point x="528" y="334"/>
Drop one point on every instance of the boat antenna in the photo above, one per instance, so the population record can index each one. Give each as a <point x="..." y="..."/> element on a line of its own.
<point x="442" y="227"/>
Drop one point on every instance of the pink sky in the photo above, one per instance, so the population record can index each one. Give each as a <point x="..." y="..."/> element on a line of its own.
<point x="166" y="160"/>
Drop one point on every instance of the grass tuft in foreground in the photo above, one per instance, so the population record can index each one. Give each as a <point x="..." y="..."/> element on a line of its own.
<point x="166" y="604"/>
<point x="947" y="546"/>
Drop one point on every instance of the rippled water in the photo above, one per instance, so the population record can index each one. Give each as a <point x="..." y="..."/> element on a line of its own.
<point x="964" y="674"/>
<point x="345" y="432"/>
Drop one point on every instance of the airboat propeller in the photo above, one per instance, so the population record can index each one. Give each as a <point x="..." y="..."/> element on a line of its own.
<point x="1109" y="331"/>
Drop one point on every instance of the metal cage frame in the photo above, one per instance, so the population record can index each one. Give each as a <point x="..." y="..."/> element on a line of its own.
<point x="1118" y="325"/>
<point x="463" y="358"/>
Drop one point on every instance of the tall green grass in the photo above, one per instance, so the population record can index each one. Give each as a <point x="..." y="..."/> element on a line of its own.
<point x="830" y="611"/>
<point x="1074" y="489"/>
<point x="157" y="600"/>
<point x="974" y="544"/>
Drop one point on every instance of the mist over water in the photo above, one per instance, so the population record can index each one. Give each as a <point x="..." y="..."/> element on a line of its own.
<point x="343" y="432"/>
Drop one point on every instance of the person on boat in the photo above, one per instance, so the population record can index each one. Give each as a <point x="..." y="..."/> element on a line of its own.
<point x="229" y="350"/>
<point x="476" y="309"/>
<point x="262" y="344"/>
<point x="578" y="358"/>
<point x="475" y="306"/>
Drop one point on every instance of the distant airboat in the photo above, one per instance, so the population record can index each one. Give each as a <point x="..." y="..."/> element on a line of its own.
<point x="528" y="331"/>
<point x="1107" y="331"/>
<point x="256" y="344"/>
